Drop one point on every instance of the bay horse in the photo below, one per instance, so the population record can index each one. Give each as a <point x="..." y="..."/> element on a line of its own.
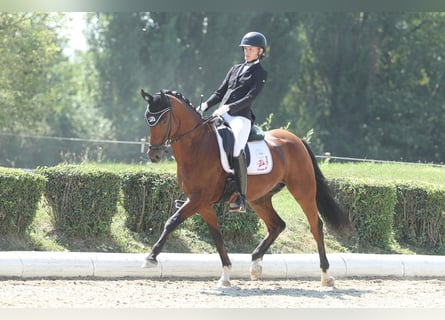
<point x="173" y="121"/>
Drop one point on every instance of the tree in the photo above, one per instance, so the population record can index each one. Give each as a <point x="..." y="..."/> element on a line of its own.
<point x="29" y="47"/>
<point x="382" y="89"/>
<point x="363" y="81"/>
<point x="408" y="94"/>
<point x="42" y="92"/>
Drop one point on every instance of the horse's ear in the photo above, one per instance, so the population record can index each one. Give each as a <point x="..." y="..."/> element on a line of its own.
<point x="147" y="97"/>
<point x="164" y="98"/>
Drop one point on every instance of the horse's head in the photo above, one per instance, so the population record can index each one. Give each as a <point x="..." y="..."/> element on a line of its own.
<point x="169" y="116"/>
<point x="157" y="116"/>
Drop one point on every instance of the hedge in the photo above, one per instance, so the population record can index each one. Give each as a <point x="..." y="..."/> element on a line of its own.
<point x="235" y="227"/>
<point x="149" y="200"/>
<point x="20" y="194"/>
<point x="419" y="217"/>
<point x="83" y="199"/>
<point x="370" y="206"/>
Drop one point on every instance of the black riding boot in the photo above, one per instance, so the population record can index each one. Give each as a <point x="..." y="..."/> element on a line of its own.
<point x="240" y="168"/>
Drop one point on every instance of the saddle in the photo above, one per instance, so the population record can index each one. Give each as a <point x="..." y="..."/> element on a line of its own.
<point x="228" y="139"/>
<point x="258" y="156"/>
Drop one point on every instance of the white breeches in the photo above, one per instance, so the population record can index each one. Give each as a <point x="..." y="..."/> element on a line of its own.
<point x="241" y="129"/>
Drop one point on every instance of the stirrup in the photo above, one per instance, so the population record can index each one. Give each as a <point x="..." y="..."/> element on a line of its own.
<point x="238" y="209"/>
<point x="179" y="203"/>
<point x="238" y="205"/>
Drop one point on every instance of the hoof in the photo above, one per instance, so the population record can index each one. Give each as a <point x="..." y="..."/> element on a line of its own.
<point x="223" y="284"/>
<point x="255" y="271"/>
<point x="329" y="282"/>
<point x="150" y="263"/>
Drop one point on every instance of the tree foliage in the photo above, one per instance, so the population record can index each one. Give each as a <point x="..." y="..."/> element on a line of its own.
<point x="370" y="84"/>
<point x="42" y="92"/>
<point x="28" y="48"/>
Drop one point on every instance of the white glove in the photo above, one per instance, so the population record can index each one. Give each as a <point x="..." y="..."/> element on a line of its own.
<point x="221" y="110"/>
<point x="203" y="107"/>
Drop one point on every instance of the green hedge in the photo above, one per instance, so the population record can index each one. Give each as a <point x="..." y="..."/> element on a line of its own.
<point x="370" y="206"/>
<point x="20" y="194"/>
<point x="420" y="215"/>
<point x="83" y="199"/>
<point x="149" y="200"/>
<point x="235" y="227"/>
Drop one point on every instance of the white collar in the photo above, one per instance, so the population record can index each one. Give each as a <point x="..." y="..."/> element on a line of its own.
<point x="251" y="63"/>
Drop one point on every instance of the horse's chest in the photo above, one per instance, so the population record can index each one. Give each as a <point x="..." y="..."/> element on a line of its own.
<point x="197" y="179"/>
<point x="186" y="179"/>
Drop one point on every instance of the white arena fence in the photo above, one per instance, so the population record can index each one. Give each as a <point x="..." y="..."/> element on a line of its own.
<point x="142" y="146"/>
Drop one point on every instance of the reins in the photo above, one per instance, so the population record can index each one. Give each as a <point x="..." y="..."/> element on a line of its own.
<point x="176" y="139"/>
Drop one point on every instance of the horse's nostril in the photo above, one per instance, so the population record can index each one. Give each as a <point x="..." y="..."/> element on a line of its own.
<point x="155" y="158"/>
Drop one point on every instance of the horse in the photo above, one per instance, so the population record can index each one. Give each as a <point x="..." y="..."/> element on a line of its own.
<point x="172" y="120"/>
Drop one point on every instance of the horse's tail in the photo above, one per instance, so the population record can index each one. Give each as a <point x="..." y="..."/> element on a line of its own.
<point x="334" y="216"/>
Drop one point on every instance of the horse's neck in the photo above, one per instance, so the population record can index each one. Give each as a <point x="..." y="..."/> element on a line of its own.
<point x="187" y="124"/>
<point x="198" y="144"/>
<point x="195" y="138"/>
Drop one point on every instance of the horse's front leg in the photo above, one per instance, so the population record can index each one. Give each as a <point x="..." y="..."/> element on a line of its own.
<point x="185" y="211"/>
<point x="208" y="214"/>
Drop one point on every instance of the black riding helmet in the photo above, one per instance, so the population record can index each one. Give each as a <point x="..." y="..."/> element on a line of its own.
<point x="254" y="39"/>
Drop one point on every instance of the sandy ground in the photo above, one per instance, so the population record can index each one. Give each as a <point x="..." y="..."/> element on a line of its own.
<point x="174" y="293"/>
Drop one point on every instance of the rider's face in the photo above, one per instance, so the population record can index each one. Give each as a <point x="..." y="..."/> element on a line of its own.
<point x="251" y="53"/>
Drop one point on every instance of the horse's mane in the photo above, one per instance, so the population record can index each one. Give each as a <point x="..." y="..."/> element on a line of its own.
<point x="181" y="97"/>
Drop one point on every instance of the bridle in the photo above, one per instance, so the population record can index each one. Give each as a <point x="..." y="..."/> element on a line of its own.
<point x="168" y="139"/>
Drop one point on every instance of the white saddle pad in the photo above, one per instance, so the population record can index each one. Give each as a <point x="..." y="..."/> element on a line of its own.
<point x="260" y="157"/>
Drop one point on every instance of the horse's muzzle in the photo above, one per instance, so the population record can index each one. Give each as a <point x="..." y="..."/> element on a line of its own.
<point x="156" y="154"/>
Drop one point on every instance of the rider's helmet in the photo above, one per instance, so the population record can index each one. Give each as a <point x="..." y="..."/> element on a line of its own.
<point x="254" y="39"/>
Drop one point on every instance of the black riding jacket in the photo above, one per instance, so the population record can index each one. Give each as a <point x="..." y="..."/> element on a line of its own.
<point x="239" y="91"/>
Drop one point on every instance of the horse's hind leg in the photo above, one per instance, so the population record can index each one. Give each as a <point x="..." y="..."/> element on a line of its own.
<point x="309" y="207"/>
<point x="275" y="225"/>
<point x="317" y="232"/>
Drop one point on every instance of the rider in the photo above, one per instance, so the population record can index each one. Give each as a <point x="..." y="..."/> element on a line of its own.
<point x="236" y="93"/>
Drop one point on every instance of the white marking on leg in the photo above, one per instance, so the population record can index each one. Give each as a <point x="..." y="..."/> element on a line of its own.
<point x="224" y="281"/>
<point x="255" y="269"/>
<point x="327" y="281"/>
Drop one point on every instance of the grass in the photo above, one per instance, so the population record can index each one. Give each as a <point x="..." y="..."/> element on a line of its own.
<point x="296" y="238"/>
<point x="400" y="173"/>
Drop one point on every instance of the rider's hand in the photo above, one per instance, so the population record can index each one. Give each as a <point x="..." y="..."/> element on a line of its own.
<point x="221" y="110"/>
<point x="202" y="107"/>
